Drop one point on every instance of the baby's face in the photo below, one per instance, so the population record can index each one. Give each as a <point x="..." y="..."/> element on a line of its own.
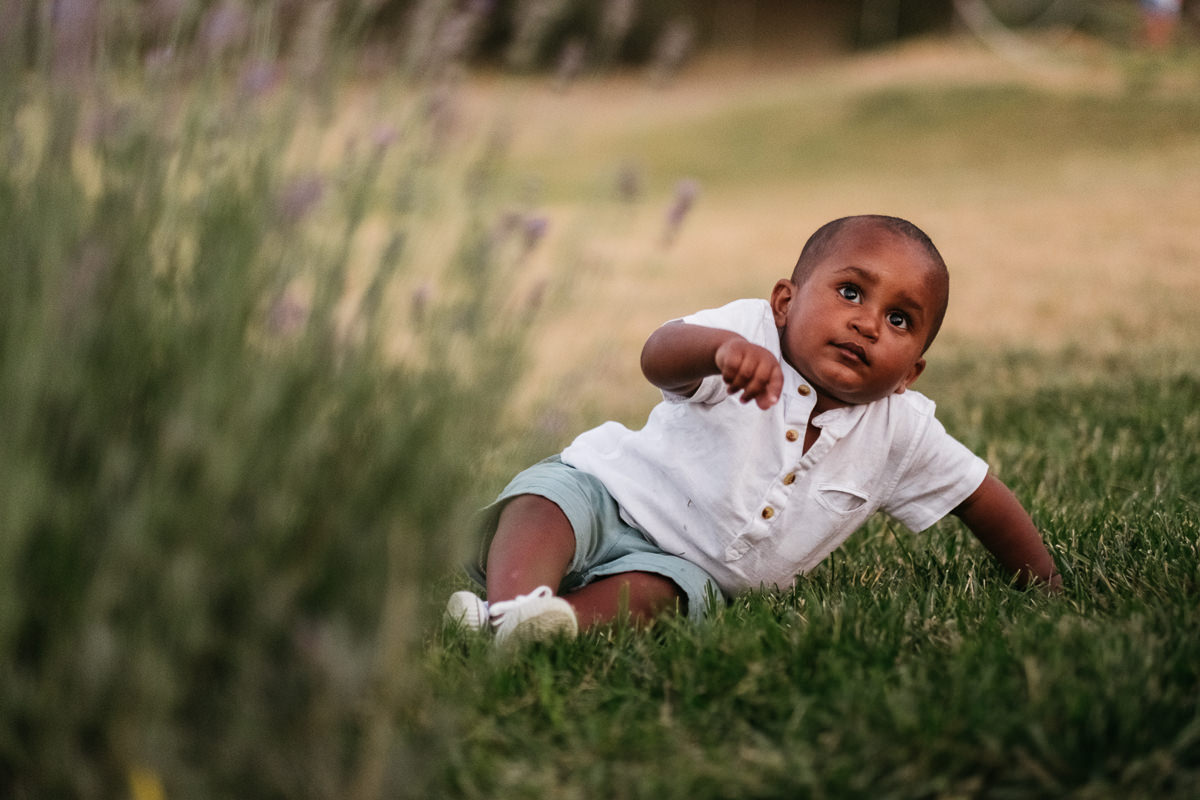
<point x="857" y="326"/>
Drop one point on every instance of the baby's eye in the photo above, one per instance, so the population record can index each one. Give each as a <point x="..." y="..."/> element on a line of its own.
<point x="850" y="292"/>
<point x="896" y="319"/>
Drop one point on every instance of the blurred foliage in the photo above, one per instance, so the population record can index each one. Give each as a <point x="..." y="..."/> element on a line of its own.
<point x="420" y="36"/>
<point x="239" y="443"/>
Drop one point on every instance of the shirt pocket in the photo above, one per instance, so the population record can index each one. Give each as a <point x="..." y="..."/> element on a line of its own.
<point x="841" y="499"/>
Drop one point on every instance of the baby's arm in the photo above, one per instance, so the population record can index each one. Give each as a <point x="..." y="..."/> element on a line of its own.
<point x="999" y="521"/>
<point x="678" y="356"/>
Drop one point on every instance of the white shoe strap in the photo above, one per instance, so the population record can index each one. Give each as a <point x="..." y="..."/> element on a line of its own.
<point x="497" y="610"/>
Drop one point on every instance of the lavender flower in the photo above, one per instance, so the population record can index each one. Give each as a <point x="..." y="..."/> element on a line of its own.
<point x="533" y="229"/>
<point x="570" y="64"/>
<point x="554" y="422"/>
<point x="383" y="137"/>
<point x="686" y="192"/>
<point x="258" y="77"/>
<point x="162" y="16"/>
<point x="629" y="182"/>
<point x="537" y="295"/>
<point x="223" y="29"/>
<point x="74" y="25"/>
<point x="288" y="314"/>
<point x="442" y="109"/>
<point x="420" y="301"/>
<point x="673" y="48"/>
<point x="158" y="61"/>
<point x="509" y="221"/>
<point x="438" y="41"/>
<point x="312" y="38"/>
<point x="299" y="198"/>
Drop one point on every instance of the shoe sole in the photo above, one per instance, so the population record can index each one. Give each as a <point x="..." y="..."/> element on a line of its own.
<point x="554" y="618"/>
<point x="463" y="609"/>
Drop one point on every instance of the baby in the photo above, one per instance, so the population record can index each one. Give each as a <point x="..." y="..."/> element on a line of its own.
<point x="785" y="423"/>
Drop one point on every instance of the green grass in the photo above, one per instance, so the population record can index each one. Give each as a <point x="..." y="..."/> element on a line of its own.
<point x="937" y="133"/>
<point x="905" y="666"/>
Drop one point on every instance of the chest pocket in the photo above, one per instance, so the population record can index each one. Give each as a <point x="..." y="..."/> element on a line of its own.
<point x="841" y="499"/>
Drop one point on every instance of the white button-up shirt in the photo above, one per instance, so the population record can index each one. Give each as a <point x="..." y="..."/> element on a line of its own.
<point x="728" y="486"/>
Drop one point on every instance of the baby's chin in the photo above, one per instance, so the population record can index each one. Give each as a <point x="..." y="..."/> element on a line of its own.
<point x="835" y="398"/>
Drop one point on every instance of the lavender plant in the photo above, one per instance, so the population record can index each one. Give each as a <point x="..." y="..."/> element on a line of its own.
<point x="239" y="443"/>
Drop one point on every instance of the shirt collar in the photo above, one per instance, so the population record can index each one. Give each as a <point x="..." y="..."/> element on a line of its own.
<point x="836" y="421"/>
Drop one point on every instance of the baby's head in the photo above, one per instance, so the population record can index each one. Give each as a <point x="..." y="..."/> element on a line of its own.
<point x="864" y="302"/>
<point x="826" y="238"/>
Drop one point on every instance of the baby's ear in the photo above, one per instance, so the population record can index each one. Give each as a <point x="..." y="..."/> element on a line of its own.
<point x="781" y="300"/>
<point x="912" y="376"/>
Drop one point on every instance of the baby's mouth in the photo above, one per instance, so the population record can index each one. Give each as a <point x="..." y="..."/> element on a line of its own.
<point x="854" y="350"/>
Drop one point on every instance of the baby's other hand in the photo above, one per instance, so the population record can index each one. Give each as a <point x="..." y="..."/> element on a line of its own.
<point x="752" y="370"/>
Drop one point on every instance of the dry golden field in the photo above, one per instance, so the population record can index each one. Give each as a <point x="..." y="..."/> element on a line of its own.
<point x="1063" y="189"/>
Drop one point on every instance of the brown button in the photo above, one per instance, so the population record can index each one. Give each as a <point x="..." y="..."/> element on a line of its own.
<point x="789" y="479"/>
<point x="804" y="391"/>
<point x="792" y="434"/>
<point x="768" y="512"/>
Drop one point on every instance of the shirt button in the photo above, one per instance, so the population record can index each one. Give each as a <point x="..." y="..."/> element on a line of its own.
<point x="789" y="479"/>
<point x="804" y="391"/>
<point x="768" y="512"/>
<point x="792" y="434"/>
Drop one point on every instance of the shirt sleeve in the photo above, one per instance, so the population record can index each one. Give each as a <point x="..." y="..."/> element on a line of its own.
<point x="941" y="474"/>
<point x="744" y="317"/>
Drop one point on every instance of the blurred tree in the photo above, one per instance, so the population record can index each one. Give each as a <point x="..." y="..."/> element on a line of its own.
<point x="535" y="34"/>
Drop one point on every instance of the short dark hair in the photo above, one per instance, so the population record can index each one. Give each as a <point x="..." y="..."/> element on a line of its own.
<point x="826" y="237"/>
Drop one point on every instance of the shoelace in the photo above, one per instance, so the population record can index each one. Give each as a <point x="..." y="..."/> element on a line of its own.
<point x="496" y="611"/>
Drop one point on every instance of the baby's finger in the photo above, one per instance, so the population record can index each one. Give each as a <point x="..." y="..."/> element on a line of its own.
<point x="774" y="389"/>
<point x="759" y="386"/>
<point x="738" y="374"/>
<point x="768" y="386"/>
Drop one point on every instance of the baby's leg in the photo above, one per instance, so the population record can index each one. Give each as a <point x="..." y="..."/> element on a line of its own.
<point x="533" y="546"/>
<point x="643" y="595"/>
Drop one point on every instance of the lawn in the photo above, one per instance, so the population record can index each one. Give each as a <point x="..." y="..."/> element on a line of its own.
<point x="1064" y="196"/>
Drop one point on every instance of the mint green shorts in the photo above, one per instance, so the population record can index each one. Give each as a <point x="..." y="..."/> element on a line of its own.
<point x="604" y="543"/>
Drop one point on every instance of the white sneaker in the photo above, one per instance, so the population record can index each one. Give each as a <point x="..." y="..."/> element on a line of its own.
<point x="533" y="617"/>
<point x="468" y="610"/>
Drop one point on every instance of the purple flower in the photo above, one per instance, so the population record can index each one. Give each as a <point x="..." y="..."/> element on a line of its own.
<point x="673" y="48"/>
<point x="570" y="63"/>
<point x="534" y="228"/>
<point x="161" y="16"/>
<point x="686" y="192"/>
<point x="299" y="197"/>
<point x="224" y="27"/>
<point x="442" y="110"/>
<point x="158" y="60"/>
<point x="288" y="314"/>
<point x="420" y="301"/>
<point x="258" y="78"/>
<point x="509" y="221"/>
<point x="629" y="182"/>
<point x="537" y="295"/>
<point x="74" y="24"/>
<point x="383" y="137"/>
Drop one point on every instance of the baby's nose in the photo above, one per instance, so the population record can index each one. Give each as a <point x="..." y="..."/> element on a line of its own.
<point x="865" y="325"/>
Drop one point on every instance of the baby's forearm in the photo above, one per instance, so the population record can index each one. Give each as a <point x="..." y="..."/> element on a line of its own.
<point x="1003" y="526"/>
<point x="678" y="356"/>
